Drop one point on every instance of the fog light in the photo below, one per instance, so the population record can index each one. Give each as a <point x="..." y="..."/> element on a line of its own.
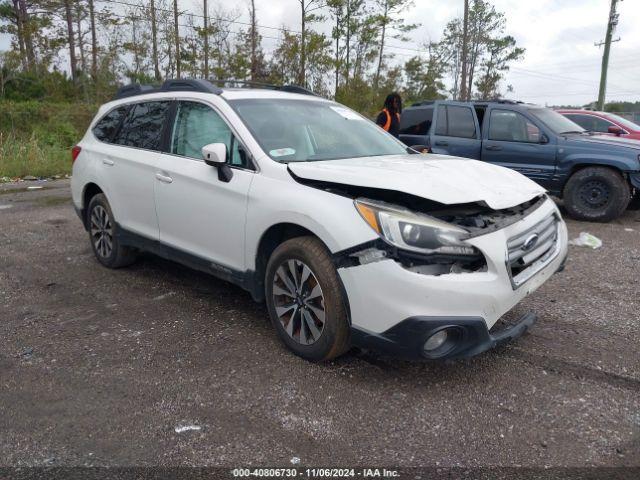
<point x="435" y="341"/>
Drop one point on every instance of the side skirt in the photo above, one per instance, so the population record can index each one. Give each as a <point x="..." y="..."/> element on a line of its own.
<point x="245" y="280"/>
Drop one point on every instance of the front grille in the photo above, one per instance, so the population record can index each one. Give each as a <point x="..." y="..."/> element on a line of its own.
<point x="531" y="250"/>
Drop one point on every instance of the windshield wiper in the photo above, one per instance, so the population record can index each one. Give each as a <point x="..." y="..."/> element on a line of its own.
<point x="573" y="131"/>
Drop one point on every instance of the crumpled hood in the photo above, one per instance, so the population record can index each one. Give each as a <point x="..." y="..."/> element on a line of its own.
<point x="444" y="179"/>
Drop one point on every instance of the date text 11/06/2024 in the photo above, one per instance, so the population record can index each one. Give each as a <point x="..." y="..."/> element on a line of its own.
<point x="315" y="473"/>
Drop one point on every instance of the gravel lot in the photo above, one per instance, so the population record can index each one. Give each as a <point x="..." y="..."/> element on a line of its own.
<point x="99" y="367"/>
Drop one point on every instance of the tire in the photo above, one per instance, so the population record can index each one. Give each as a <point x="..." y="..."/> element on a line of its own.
<point x="103" y="235"/>
<point x="596" y="194"/>
<point x="297" y="304"/>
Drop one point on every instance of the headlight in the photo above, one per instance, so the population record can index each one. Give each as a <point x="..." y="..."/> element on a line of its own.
<point x="414" y="231"/>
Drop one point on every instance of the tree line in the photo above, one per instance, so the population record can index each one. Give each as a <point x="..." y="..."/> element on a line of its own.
<point x="82" y="49"/>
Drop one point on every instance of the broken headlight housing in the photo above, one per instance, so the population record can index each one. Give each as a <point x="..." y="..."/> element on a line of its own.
<point x="413" y="231"/>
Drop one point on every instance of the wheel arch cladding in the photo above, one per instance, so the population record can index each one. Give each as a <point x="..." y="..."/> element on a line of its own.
<point x="269" y="241"/>
<point x="582" y="165"/>
<point x="90" y="190"/>
<point x="573" y="163"/>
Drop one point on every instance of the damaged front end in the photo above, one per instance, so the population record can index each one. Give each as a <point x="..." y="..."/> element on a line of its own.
<point x="424" y="236"/>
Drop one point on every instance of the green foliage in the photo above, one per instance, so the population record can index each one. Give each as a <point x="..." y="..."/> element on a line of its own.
<point x="424" y="79"/>
<point x="489" y="50"/>
<point x="352" y="64"/>
<point x="36" y="137"/>
<point x="20" y="157"/>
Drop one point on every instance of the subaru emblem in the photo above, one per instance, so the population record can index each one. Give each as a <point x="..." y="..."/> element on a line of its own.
<point x="530" y="242"/>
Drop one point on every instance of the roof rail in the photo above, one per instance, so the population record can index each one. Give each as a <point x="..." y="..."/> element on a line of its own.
<point x="503" y="101"/>
<point x="423" y="102"/>
<point x="190" y="85"/>
<point x="295" y="89"/>
<point x="132" y="90"/>
<point x="200" y="85"/>
<point x="177" y="85"/>
<point x="270" y="86"/>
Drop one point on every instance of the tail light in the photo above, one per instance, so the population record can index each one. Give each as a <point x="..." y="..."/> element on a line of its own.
<point x="75" y="151"/>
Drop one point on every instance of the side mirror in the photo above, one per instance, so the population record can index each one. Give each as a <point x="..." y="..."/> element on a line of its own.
<point x="419" y="149"/>
<point x="215" y="155"/>
<point x="616" y="130"/>
<point x="544" y="139"/>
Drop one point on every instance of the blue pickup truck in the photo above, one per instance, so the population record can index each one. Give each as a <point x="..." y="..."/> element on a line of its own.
<point x="596" y="175"/>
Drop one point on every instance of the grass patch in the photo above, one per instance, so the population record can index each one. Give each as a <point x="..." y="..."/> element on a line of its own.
<point x="34" y="156"/>
<point x="36" y="137"/>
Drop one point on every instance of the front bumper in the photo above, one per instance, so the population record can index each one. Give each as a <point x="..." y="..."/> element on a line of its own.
<point x="383" y="294"/>
<point x="407" y="338"/>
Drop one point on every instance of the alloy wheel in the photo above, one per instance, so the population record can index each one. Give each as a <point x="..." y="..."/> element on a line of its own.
<point x="299" y="301"/>
<point x="101" y="231"/>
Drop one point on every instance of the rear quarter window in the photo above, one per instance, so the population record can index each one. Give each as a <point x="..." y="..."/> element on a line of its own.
<point x="107" y="125"/>
<point x="143" y="126"/>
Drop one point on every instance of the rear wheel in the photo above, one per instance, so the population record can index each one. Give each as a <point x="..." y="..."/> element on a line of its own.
<point x="305" y="300"/>
<point x="597" y="194"/>
<point x="103" y="235"/>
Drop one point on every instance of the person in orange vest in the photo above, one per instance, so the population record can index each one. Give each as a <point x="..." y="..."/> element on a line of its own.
<point x="389" y="117"/>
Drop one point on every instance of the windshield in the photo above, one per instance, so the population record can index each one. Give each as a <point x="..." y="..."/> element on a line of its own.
<point x="558" y="124"/>
<point x="311" y="130"/>
<point x="624" y="122"/>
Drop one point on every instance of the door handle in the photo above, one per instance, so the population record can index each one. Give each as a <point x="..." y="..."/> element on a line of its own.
<point x="164" y="178"/>
<point x="442" y="144"/>
<point x="108" y="162"/>
<point x="493" y="147"/>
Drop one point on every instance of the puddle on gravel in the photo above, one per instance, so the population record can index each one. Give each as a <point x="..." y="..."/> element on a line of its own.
<point x="52" y="201"/>
<point x="30" y="188"/>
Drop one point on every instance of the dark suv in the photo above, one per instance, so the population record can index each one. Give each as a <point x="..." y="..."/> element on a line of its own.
<point x="596" y="175"/>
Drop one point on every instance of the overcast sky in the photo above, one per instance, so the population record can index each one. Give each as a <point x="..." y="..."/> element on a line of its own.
<point x="561" y="64"/>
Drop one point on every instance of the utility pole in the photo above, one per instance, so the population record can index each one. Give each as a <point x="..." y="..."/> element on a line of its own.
<point x="177" y="39"/>
<point x="206" y="40"/>
<point x="464" y="95"/>
<point x="611" y="26"/>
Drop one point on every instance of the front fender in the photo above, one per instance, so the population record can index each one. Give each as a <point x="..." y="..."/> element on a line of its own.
<point x="330" y="217"/>
<point x="569" y="162"/>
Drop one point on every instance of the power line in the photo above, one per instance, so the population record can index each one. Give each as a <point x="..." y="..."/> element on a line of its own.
<point x="553" y="77"/>
<point x="222" y="19"/>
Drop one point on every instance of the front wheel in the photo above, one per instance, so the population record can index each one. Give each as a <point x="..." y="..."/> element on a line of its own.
<point x="596" y="194"/>
<point x="305" y="300"/>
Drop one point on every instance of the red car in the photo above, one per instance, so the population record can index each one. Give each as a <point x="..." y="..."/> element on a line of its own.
<point x="604" y="122"/>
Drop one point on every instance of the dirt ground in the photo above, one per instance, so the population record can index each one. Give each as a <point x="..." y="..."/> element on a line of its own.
<point x="99" y="367"/>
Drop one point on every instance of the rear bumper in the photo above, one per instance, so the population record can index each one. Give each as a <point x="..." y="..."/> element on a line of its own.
<point x="407" y="338"/>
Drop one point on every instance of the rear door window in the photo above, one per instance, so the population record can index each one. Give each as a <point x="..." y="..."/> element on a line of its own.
<point x="416" y="121"/>
<point x="461" y="122"/>
<point x="107" y="125"/>
<point x="455" y="121"/>
<point x="143" y="126"/>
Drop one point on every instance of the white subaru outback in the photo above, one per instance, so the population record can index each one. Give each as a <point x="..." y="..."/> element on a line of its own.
<point x="349" y="237"/>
